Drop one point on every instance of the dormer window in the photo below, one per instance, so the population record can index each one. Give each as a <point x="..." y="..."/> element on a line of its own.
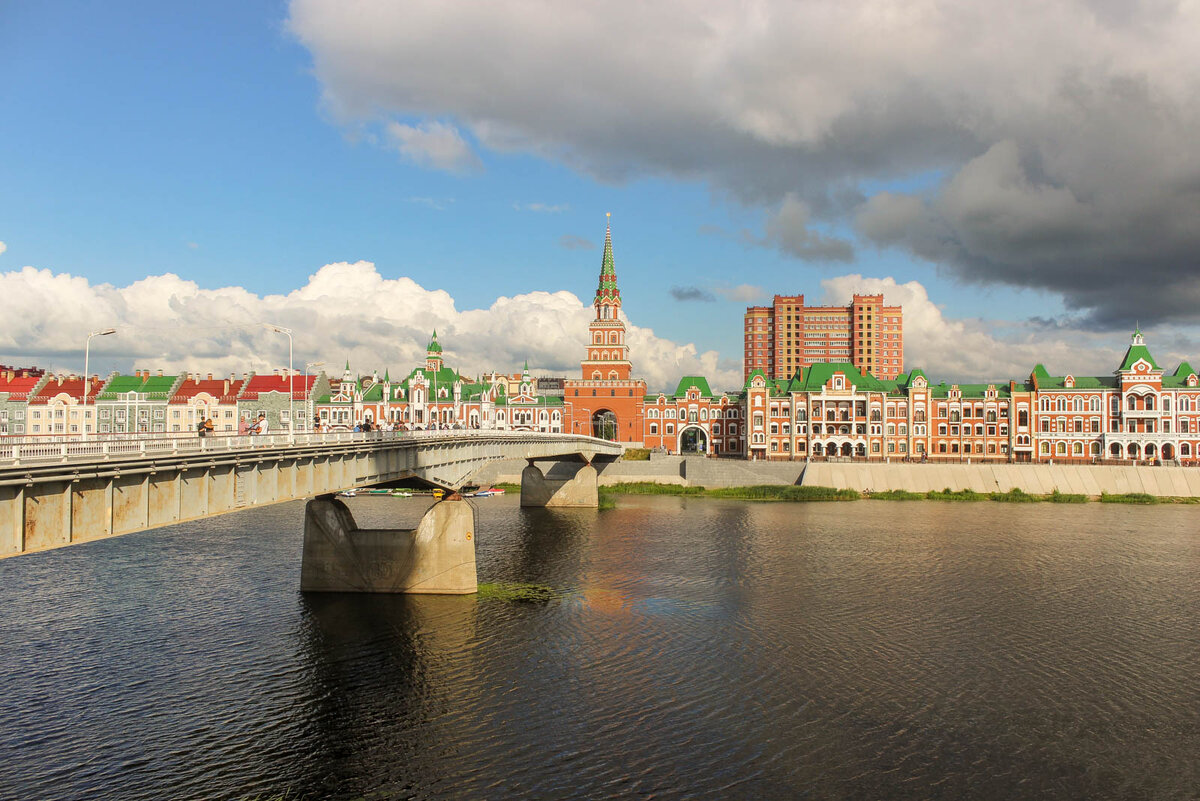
<point x="1069" y="382"/>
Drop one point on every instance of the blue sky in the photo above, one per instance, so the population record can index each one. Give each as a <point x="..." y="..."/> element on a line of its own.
<point x="199" y="140"/>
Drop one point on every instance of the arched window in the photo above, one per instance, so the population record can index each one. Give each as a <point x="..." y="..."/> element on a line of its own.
<point x="1023" y="418"/>
<point x="1149" y="403"/>
<point x="1166" y="403"/>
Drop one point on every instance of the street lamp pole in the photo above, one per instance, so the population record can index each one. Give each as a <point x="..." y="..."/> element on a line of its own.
<point x="307" y="394"/>
<point x="86" y="381"/>
<point x="291" y="408"/>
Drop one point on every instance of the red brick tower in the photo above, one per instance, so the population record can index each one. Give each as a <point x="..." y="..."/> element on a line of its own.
<point x="606" y="401"/>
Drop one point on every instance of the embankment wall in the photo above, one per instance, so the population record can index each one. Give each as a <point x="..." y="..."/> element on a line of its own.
<point x="1034" y="479"/>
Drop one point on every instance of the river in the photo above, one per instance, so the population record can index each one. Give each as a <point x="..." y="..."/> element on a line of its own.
<point x="700" y="648"/>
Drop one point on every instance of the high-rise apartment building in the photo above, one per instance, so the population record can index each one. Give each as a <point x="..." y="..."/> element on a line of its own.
<point x="788" y="335"/>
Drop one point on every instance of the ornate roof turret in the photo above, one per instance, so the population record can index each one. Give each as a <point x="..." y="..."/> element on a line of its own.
<point x="1137" y="350"/>
<point x="434" y="347"/>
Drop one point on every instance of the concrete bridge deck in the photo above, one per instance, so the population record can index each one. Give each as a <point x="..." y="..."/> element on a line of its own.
<point x="55" y="493"/>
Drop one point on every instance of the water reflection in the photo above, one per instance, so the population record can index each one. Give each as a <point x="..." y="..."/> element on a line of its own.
<point x="700" y="649"/>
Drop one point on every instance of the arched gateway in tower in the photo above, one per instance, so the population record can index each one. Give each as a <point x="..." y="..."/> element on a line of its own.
<point x="606" y="387"/>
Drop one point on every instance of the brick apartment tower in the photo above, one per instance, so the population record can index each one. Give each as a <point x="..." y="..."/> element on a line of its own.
<point x="787" y="335"/>
<point x="606" y="401"/>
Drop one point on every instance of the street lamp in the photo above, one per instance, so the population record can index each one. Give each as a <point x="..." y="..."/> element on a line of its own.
<point x="291" y="410"/>
<point x="307" y="394"/>
<point x="86" y="381"/>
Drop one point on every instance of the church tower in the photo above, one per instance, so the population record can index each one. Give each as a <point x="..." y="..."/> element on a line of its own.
<point x="607" y="356"/>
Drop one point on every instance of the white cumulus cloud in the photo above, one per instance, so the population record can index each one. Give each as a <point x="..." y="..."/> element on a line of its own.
<point x="345" y="311"/>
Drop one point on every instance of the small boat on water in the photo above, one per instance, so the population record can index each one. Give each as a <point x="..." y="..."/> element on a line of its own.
<point x="394" y="493"/>
<point x="487" y="493"/>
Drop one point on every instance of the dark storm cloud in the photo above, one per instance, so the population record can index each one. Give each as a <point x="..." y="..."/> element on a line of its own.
<point x="1066" y="129"/>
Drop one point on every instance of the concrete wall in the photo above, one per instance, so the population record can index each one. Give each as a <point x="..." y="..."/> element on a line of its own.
<point x="1034" y="479"/>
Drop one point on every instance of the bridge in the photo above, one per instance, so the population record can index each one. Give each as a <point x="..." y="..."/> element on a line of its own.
<point x="60" y="492"/>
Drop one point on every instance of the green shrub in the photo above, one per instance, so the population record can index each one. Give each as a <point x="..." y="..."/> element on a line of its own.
<point x="1129" y="497"/>
<point x="636" y="455"/>
<point x="896" y="495"/>
<point x="1014" y="495"/>
<point x="955" y="495"/>
<point x="1066" y="497"/>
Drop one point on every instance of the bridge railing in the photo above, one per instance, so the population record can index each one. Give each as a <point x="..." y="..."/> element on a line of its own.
<point x="17" y="451"/>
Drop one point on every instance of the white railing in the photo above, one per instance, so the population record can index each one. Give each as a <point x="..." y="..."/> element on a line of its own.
<point x="45" y="449"/>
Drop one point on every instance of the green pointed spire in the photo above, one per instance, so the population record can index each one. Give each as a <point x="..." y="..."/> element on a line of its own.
<point x="387" y="375"/>
<point x="608" y="270"/>
<point x="434" y="347"/>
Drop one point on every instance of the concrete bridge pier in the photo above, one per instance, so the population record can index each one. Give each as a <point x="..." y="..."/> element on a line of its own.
<point x="437" y="557"/>
<point x="560" y="488"/>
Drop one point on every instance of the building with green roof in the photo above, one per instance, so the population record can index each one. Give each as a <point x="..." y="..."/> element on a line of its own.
<point x="135" y="404"/>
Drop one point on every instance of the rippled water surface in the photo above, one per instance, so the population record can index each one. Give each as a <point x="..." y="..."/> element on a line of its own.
<point x="701" y="649"/>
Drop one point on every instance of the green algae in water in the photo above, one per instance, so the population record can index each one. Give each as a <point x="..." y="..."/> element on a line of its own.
<point x="516" y="592"/>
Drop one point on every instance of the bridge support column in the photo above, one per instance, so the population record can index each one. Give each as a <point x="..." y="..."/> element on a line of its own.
<point x="437" y="557"/>
<point x="579" y="490"/>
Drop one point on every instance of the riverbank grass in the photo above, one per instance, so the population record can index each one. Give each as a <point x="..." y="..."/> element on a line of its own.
<point x="1129" y="497"/>
<point x="758" y="492"/>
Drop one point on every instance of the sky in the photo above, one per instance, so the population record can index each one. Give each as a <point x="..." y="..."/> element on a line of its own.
<point x="1023" y="177"/>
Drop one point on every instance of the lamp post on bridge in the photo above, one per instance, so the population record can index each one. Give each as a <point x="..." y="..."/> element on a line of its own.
<point x="291" y="395"/>
<point x="86" y="381"/>
<point x="308" y="411"/>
